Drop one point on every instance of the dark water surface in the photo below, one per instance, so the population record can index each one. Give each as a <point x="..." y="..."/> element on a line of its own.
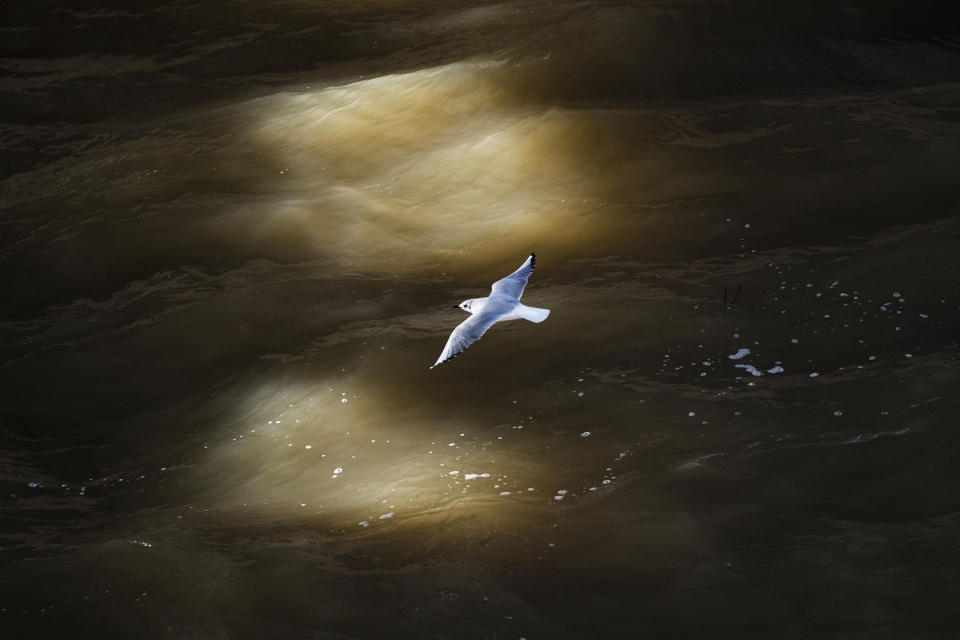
<point x="232" y="234"/>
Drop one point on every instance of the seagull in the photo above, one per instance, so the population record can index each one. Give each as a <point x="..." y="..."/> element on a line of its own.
<point x="502" y="304"/>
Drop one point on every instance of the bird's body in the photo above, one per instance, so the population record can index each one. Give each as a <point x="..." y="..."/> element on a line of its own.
<point x="507" y="309"/>
<point x="501" y="305"/>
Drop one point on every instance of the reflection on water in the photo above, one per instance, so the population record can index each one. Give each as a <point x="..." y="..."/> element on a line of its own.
<point x="323" y="451"/>
<point x="229" y="258"/>
<point x="441" y="159"/>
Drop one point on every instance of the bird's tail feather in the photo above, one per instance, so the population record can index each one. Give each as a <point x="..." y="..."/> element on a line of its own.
<point x="533" y="314"/>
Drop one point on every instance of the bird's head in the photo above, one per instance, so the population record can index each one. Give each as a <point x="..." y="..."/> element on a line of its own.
<point x="467" y="305"/>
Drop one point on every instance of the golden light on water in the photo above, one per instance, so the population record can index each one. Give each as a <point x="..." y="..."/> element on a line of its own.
<point x="393" y="174"/>
<point x="338" y="453"/>
<point x="450" y="170"/>
<point x="400" y="171"/>
<point x="441" y="173"/>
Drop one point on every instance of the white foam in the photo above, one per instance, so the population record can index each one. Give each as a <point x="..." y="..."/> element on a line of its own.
<point x="873" y="436"/>
<point x="741" y="353"/>
<point x="752" y="370"/>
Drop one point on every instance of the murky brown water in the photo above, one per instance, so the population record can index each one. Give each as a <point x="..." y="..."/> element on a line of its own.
<point x="232" y="236"/>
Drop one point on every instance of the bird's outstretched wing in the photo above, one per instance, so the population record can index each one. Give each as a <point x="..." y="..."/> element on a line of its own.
<point x="514" y="284"/>
<point x="466" y="333"/>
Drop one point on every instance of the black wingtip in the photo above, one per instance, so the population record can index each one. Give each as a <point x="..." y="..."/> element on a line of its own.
<point x="447" y="360"/>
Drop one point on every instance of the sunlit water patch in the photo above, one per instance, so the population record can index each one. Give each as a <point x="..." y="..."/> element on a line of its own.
<point x="335" y="452"/>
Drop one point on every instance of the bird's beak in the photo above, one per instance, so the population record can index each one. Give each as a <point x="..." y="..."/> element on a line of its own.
<point x="456" y="306"/>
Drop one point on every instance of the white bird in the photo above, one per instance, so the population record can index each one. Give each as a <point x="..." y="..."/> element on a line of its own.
<point x="502" y="304"/>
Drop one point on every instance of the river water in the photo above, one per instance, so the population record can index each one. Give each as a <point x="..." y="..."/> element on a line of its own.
<point x="232" y="237"/>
